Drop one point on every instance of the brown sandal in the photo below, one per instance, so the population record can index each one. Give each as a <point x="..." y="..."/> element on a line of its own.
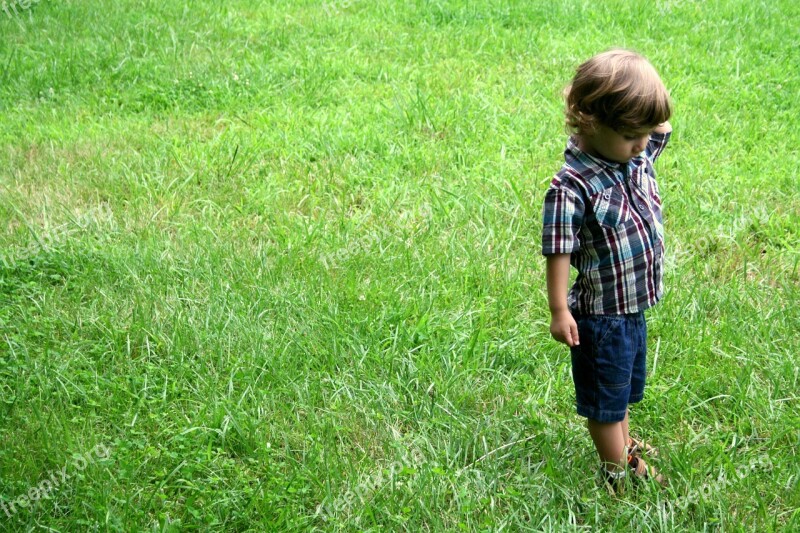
<point x="637" y="448"/>
<point x="641" y="471"/>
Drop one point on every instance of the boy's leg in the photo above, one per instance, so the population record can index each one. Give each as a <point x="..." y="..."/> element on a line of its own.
<point x="625" y="429"/>
<point x="610" y="442"/>
<point x="602" y="370"/>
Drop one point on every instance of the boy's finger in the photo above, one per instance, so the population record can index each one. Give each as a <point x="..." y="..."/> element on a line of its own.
<point x="568" y="337"/>
<point x="573" y="329"/>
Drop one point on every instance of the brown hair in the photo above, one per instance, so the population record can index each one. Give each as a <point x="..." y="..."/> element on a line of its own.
<point x="619" y="89"/>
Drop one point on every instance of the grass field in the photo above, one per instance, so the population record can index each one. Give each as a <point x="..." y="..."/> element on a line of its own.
<point x="275" y="266"/>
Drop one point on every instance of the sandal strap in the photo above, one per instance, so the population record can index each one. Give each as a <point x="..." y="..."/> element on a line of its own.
<point x="642" y="470"/>
<point x="637" y="447"/>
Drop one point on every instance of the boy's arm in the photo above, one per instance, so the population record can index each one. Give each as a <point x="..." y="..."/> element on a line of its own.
<point x="657" y="144"/>
<point x="563" y="327"/>
<point x="664" y="127"/>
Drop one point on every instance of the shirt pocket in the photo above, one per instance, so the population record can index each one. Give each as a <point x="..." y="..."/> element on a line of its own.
<point x="610" y="208"/>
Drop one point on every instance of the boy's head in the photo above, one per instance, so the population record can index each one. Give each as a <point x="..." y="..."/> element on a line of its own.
<point x="618" y="89"/>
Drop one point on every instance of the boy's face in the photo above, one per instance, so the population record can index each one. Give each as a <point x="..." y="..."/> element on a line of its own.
<point x="619" y="146"/>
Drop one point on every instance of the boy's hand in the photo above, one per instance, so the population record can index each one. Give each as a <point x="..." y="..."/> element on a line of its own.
<point x="562" y="325"/>
<point x="564" y="329"/>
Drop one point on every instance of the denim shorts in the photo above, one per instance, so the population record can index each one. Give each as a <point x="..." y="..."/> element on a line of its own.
<point x="608" y="366"/>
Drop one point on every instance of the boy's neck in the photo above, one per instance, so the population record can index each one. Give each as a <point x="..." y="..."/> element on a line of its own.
<point x="585" y="146"/>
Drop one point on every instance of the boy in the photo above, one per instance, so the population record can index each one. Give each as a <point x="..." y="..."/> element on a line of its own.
<point x="602" y="215"/>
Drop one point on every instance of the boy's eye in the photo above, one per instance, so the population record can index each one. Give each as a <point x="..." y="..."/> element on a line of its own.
<point x="634" y="136"/>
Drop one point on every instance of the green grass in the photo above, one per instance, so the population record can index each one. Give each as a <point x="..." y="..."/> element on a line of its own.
<point x="282" y="261"/>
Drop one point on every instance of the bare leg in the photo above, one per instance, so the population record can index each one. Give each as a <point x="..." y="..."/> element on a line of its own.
<point x="625" y="432"/>
<point x="610" y="442"/>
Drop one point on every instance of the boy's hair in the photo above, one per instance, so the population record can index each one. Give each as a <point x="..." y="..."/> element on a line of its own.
<point x="619" y="89"/>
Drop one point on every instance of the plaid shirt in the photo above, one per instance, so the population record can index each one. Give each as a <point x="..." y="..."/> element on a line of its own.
<point x="608" y="217"/>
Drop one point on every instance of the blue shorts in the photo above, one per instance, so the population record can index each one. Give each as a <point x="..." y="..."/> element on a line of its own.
<point x="608" y="366"/>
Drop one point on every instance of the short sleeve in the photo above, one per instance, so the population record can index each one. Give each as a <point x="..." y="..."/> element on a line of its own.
<point x="562" y="219"/>
<point x="656" y="145"/>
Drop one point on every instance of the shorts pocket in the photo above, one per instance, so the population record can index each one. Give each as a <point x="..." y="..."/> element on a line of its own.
<point x="605" y="326"/>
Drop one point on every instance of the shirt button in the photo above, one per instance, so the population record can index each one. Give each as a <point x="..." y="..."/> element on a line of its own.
<point x="641" y="206"/>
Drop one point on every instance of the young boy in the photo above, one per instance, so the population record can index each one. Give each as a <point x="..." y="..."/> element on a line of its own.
<point x="602" y="215"/>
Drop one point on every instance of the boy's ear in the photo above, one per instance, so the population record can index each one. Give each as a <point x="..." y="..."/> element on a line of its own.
<point x="587" y="124"/>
